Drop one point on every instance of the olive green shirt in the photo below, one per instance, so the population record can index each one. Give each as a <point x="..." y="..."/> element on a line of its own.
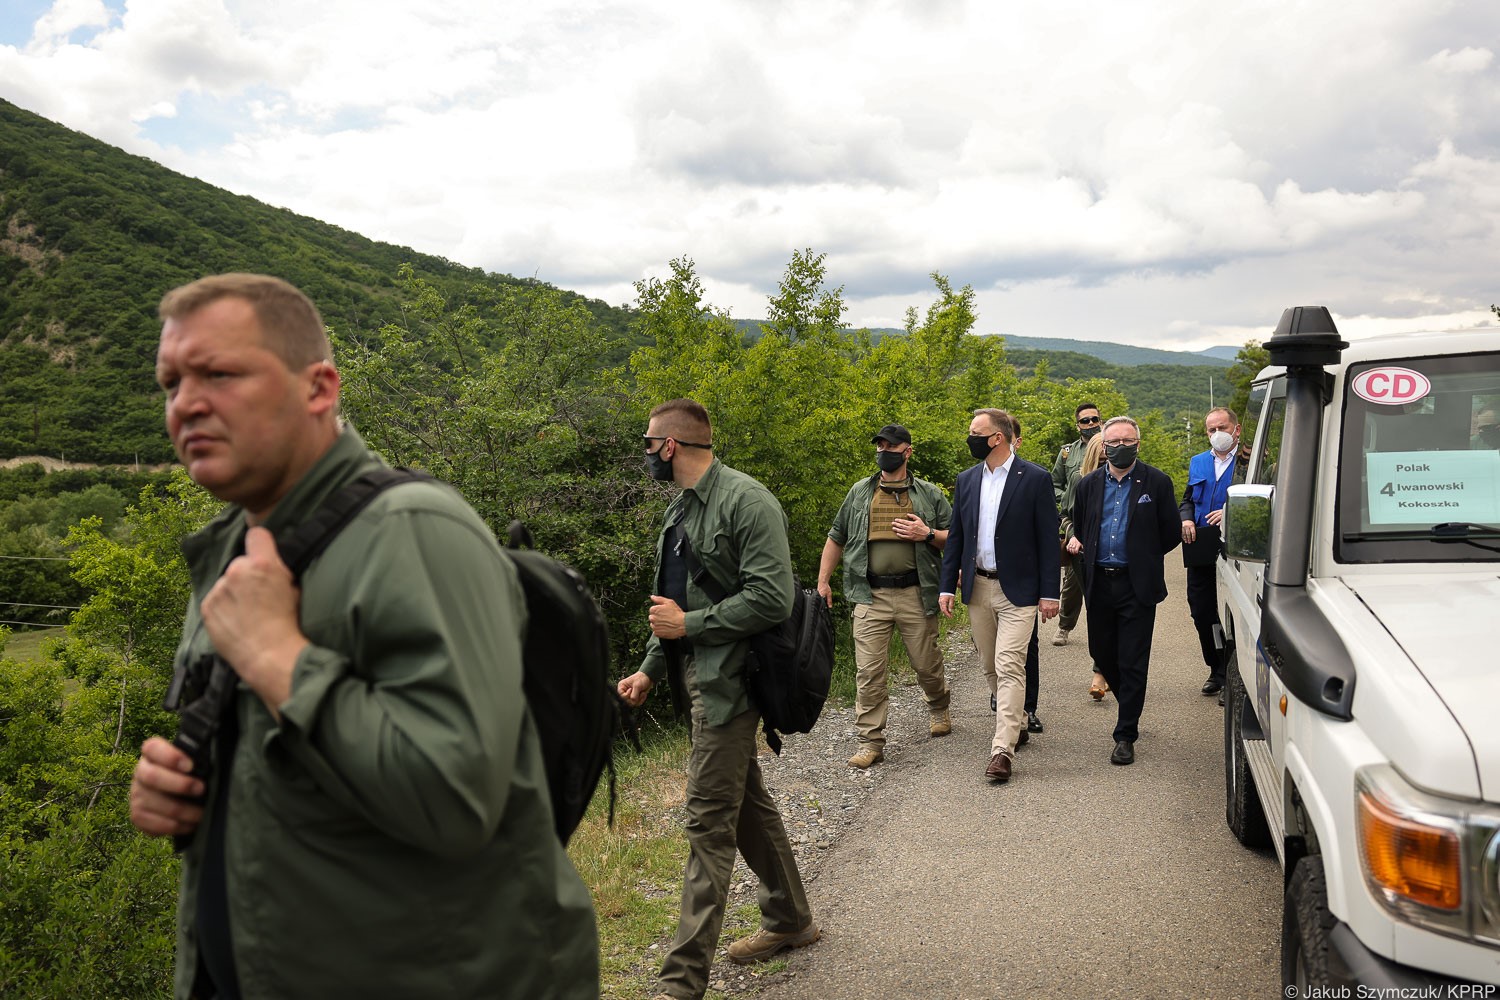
<point x="851" y="530"/>
<point x="1065" y="472"/>
<point x="392" y="835"/>
<point x="739" y="533"/>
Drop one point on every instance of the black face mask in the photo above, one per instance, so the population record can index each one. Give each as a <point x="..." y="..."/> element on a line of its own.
<point x="890" y="461"/>
<point x="658" y="468"/>
<point x="980" y="447"/>
<point x="1121" y="456"/>
<point x="1087" y="432"/>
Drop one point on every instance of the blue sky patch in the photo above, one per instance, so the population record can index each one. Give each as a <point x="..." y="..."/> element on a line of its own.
<point x="202" y="122"/>
<point x="18" y="18"/>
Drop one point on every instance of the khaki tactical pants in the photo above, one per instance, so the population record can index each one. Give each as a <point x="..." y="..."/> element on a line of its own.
<point x="899" y="609"/>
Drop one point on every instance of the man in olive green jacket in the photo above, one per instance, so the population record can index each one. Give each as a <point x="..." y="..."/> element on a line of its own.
<point x="890" y="532"/>
<point x="376" y="822"/>
<point x="738" y="534"/>
<point x="1065" y="475"/>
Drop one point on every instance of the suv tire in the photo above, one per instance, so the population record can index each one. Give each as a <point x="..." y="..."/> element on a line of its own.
<point x="1242" y="808"/>
<point x="1305" y="927"/>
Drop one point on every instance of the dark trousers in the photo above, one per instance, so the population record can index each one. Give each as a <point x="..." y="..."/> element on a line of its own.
<point x="1203" y="604"/>
<point x="728" y="808"/>
<point x="1033" y="676"/>
<point x="1120" y="626"/>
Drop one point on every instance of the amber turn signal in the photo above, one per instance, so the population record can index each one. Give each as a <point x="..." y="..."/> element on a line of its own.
<point x="1416" y="861"/>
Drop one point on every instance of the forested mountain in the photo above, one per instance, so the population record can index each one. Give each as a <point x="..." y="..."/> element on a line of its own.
<point x="90" y="239"/>
<point x="1123" y="354"/>
<point x="1175" y="390"/>
<point x="1115" y="354"/>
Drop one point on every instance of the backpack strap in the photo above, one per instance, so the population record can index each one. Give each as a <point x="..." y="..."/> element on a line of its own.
<point x="706" y="581"/>
<point x="304" y="543"/>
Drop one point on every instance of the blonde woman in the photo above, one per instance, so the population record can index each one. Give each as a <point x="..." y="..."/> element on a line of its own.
<point x="1093" y="456"/>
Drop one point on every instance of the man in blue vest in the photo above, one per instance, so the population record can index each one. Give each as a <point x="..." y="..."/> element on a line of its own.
<point x="1210" y="474"/>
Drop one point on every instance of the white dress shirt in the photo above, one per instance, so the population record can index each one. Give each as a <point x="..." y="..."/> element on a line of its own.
<point x="991" y="487"/>
<point x="1222" y="462"/>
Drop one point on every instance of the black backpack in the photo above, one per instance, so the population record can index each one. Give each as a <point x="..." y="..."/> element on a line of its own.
<point x="577" y="709"/>
<point x="789" y="666"/>
<point x="565" y="659"/>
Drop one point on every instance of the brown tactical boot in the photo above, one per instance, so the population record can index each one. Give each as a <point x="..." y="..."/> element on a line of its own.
<point x="868" y="756"/>
<point x="942" y="724"/>
<point x="764" y="944"/>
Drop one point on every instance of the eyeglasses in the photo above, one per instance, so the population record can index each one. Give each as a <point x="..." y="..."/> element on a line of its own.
<point x="680" y="443"/>
<point x="1086" y="421"/>
<point x="1132" y="441"/>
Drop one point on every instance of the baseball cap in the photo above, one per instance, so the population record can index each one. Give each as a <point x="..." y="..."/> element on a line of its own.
<point x="892" y="434"/>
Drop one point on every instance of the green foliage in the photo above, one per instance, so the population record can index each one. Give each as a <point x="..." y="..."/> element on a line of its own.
<point x="502" y="396"/>
<point x="1247" y="364"/>
<point x="1176" y="390"/>
<point x="36" y="512"/>
<point x="87" y="904"/>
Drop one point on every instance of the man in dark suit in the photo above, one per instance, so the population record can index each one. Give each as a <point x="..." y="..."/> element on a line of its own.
<point x="1125" y="523"/>
<point x="1002" y="545"/>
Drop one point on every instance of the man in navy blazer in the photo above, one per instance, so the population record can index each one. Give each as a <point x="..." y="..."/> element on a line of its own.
<point x="1125" y="522"/>
<point x="1002" y="546"/>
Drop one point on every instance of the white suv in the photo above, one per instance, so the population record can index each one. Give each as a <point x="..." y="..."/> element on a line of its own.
<point x="1359" y="589"/>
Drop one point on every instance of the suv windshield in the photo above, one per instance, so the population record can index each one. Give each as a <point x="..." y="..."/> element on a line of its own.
<point x="1419" y="478"/>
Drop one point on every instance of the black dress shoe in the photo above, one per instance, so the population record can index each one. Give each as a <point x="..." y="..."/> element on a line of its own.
<point x="1124" y="753"/>
<point x="1212" y="686"/>
<point x="1033" y="724"/>
<point x="1023" y="739"/>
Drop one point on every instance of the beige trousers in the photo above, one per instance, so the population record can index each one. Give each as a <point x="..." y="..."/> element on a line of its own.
<point x="899" y="609"/>
<point x="1001" y="632"/>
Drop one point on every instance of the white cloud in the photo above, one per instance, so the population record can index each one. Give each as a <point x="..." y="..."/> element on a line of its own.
<point x="1185" y="170"/>
<point x="66" y="17"/>
<point x="1465" y="60"/>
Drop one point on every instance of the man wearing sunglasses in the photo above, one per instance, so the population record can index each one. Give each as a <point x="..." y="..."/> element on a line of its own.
<point x="1065" y="474"/>
<point x="731" y="527"/>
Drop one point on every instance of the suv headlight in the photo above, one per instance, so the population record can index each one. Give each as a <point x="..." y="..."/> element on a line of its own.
<point x="1430" y="860"/>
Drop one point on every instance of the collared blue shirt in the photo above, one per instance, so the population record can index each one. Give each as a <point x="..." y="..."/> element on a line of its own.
<point x="1115" y="521"/>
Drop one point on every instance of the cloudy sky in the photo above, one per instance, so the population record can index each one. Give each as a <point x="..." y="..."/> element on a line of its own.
<point x="1164" y="174"/>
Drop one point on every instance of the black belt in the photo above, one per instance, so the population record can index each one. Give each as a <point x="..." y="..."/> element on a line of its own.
<point x="908" y="579"/>
<point x="1113" y="570"/>
<point x="987" y="572"/>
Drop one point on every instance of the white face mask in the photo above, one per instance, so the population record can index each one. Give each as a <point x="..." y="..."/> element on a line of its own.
<point x="1221" y="441"/>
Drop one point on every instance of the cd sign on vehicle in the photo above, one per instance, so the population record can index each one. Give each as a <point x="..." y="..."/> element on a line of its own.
<point x="1391" y="386"/>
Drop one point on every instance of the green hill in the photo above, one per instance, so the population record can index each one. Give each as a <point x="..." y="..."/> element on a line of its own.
<point x="1120" y="354"/>
<point x="90" y="239"/>
<point x="1176" y="390"/>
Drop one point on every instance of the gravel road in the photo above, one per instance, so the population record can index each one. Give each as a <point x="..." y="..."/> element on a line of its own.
<point x="1076" y="879"/>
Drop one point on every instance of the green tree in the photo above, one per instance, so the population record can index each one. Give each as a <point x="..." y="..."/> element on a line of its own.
<point x="502" y="396"/>
<point x="1247" y="364"/>
<point x="89" y="904"/>
<point x="804" y="307"/>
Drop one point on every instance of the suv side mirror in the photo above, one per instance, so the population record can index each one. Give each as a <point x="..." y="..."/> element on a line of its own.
<point x="1247" y="522"/>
